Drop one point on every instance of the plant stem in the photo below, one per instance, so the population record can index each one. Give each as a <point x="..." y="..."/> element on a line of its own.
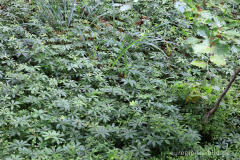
<point x="211" y="112"/>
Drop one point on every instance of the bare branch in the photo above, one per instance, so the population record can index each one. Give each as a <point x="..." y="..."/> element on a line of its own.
<point x="211" y="112"/>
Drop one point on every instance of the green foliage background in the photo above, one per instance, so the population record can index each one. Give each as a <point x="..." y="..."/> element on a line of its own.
<point x="62" y="97"/>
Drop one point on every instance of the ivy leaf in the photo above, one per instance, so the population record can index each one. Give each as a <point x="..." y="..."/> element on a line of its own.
<point x="200" y="64"/>
<point x="218" y="60"/>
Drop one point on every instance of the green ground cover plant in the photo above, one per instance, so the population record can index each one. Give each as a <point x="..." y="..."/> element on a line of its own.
<point x="101" y="79"/>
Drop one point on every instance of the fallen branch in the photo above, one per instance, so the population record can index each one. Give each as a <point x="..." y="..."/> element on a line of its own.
<point x="211" y="112"/>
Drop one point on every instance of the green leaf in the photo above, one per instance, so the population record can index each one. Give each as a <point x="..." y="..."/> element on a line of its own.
<point x="219" y="21"/>
<point x="206" y="15"/>
<point x="231" y="33"/>
<point x="203" y="31"/>
<point x="125" y="7"/>
<point x="237" y="41"/>
<point x="200" y="64"/>
<point x="218" y="60"/>
<point x="221" y="49"/>
<point x="203" y="47"/>
<point x="192" y="40"/>
<point x="235" y="49"/>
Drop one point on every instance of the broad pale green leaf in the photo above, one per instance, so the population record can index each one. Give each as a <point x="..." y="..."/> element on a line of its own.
<point x="200" y="64"/>
<point x="192" y="40"/>
<point x="231" y="33"/>
<point x="218" y="60"/>
<point x="203" y="47"/>
<point x="221" y="49"/>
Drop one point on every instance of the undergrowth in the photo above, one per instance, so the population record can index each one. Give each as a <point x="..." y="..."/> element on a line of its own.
<point x="107" y="80"/>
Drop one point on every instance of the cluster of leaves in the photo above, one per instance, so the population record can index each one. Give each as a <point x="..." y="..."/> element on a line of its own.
<point x="66" y="95"/>
<point x="216" y="30"/>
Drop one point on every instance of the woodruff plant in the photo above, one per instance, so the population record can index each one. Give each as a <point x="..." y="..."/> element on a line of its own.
<point x="57" y="102"/>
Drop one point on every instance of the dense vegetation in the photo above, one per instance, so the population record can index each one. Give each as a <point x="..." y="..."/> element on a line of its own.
<point x="110" y="80"/>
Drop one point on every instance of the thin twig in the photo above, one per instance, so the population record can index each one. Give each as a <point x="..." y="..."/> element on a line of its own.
<point x="211" y="112"/>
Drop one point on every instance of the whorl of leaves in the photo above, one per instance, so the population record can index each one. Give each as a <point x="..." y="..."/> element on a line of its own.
<point x="61" y="97"/>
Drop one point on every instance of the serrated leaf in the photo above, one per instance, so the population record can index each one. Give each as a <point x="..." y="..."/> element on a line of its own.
<point x="218" y="60"/>
<point x="200" y="64"/>
<point x="203" y="47"/>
